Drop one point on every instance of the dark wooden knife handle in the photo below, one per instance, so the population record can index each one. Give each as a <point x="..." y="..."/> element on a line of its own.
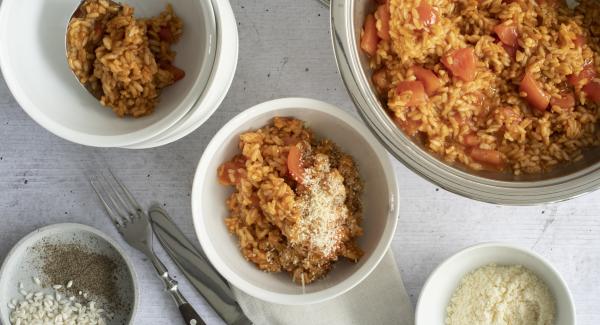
<point x="190" y="316"/>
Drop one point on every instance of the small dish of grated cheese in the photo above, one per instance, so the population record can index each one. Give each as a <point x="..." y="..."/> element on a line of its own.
<point x="501" y="295"/>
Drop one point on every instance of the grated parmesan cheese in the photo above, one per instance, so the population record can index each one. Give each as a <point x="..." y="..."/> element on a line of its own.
<point x="501" y="295"/>
<point x="322" y="208"/>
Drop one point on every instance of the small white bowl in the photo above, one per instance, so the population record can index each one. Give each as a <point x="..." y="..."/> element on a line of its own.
<point x="439" y="288"/>
<point x="21" y="265"/>
<point x="380" y="200"/>
<point x="33" y="61"/>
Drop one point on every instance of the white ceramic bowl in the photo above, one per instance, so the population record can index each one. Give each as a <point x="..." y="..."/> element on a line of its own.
<point x="33" y="61"/>
<point x="436" y="294"/>
<point x="21" y="265"/>
<point x="380" y="200"/>
<point x="227" y="45"/>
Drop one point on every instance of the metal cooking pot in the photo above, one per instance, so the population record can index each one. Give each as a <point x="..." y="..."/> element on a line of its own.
<point x="562" y="183"/>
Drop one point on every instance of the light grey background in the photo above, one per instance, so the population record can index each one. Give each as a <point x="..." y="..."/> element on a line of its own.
<point x="285" y="50"/>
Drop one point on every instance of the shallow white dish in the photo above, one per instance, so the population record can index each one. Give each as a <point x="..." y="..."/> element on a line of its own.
<point x="221" y="77"/>
<point x="20" y="266"/>
<point x="380" y="200"/>
<point x="33" y="61"/>
<point x="437" y="291"/>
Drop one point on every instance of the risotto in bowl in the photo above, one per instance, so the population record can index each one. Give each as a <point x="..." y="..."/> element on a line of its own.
<point x="131" y="53"/>
<point x="294" y="202"/>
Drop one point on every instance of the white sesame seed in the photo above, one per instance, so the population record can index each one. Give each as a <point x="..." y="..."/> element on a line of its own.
<point x="193" y="322"/>
<point x="36" y="280"/>
<point x="57" y="286"/>
<point x="70" y="284"/>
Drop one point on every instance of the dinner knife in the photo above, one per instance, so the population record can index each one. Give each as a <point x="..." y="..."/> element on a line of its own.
<point x="192" y="261"/>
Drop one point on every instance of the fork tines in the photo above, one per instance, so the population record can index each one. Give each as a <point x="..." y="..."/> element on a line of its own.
<point x="120" y="205"/>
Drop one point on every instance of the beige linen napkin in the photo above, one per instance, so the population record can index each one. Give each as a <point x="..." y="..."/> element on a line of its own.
<point x="379" y="299"/>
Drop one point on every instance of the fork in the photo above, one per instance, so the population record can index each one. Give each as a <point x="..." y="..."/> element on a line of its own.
<point x="133" y="224"/>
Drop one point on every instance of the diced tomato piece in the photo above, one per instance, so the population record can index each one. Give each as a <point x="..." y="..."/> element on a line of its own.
<point x="369" y="38"/>
<point x="510" y="50"/>
<point x="507" y="33"/>
<point x="536" y="96"/>
<point x="462" y="63"/>
<point x="586" y="75"/>
<point x="165" y="34"/>
<point x="566" y="100"/>
<point x="379" y="78"/>
<point x="418" y="95"/>
<point x="579" y="41"/>
<point x="234" y="167"/>
<point x="592" y="91"/>
<point x="427" y="14"/>
<point x="492" y="157"/>
<point x="383" y="16"/>
<point x="177" y="73"/>
<point x="471" y="140"/>
<point x="409" y="126"/>
<point x="294" y="164"/>
<point x="430" y="81"/>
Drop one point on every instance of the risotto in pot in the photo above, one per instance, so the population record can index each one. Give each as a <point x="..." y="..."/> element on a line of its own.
<point x="493" y="84"/>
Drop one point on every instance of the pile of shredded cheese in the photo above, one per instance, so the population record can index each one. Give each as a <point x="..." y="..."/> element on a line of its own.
<point x="501" y="295"/>
<point x="322" y="207"/>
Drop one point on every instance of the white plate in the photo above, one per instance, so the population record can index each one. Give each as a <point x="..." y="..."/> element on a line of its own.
<point x="21" y="265"/>
<point x="380" y="200"/>
<point x="33" y="60"/>
<point x="217" y="87"/>
<point x="436" y="293"/>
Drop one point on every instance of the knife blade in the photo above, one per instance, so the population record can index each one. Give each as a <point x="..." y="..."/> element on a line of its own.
<point x="193" y="263"/>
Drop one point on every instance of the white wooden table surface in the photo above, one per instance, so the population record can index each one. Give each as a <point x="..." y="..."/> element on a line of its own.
<point x="285" y="50"/>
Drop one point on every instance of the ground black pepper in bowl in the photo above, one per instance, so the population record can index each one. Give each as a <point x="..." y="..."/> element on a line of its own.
<point x="76" y="271"/>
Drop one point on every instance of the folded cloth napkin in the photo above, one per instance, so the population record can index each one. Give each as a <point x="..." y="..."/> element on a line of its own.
<point x="379" y="299"/>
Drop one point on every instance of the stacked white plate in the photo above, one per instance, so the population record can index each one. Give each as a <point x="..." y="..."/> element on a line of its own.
<point x="33" y="62"/>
